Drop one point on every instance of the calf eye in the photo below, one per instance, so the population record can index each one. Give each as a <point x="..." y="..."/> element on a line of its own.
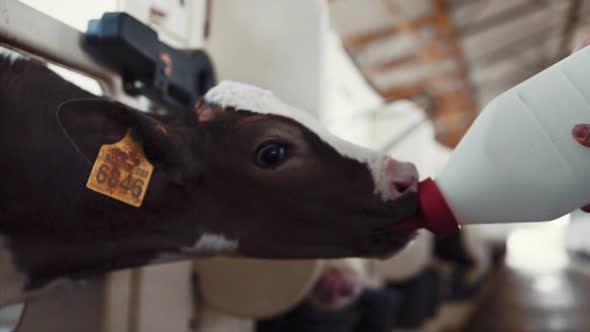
<point x="270" y="155"/>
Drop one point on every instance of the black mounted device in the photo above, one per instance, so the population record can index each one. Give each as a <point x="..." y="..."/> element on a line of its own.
<point x="172" y="78"/>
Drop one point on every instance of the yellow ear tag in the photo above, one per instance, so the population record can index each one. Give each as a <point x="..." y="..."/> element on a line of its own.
<point x="121" y="171"/>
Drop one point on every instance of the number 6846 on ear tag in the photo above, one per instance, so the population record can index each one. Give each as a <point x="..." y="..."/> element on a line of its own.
<point x="121" y="171"/>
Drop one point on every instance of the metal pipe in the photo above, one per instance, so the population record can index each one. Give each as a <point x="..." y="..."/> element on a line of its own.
<point x="33" y="32"/>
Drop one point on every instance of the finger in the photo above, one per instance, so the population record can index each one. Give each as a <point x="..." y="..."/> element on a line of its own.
<point x="581" y="133"/>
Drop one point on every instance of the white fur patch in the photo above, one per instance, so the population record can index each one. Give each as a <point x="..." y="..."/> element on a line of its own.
<point x="381" y="178"/>
<point x="250" y="98"/>
<point x="12" y="281"/>
<point x="208" y="243"/>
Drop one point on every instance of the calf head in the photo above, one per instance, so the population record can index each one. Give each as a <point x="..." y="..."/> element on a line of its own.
<point x="247" y="174"/>
<point x="282" y="186"/>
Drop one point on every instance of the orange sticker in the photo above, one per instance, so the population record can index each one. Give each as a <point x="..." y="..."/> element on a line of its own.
<point x="121" y="171"/>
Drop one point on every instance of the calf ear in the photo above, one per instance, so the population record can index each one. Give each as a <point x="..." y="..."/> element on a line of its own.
<point x="91" y="123"/>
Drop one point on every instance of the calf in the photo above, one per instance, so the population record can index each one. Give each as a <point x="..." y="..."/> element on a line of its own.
<point x="342" y="299"/>
<point x="340" y="283"/>
<point x="244" y="174"/>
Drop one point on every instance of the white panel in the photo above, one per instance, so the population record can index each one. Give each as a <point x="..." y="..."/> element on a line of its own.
<point x="215" y="321"/>
<point x="349" y="97"/>
<point x="274" y="44"/>
<point x="117" y="298"/>
<point x="350" y="17"/>
<point x="386" y="50"/>
<point x="277" y="45"/>
<point x="73" y="12"/>
<point x="178" y="22"/>
<point x="165" y="298"/>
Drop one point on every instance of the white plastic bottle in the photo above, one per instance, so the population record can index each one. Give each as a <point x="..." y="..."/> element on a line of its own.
<point x="518" y="162"/>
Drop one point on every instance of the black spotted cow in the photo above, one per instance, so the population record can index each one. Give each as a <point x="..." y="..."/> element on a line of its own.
<point x="244" y="174"/>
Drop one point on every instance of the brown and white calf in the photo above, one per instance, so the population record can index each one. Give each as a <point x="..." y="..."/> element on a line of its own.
<point x="245" y="174"/>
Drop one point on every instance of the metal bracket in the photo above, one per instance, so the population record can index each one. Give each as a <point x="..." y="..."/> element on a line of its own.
<point x="172" y="78"/>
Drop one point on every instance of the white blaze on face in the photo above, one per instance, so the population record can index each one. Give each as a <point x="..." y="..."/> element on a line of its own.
<point x="250" y="98"/>
<point x="212" y="243"/>
<point x="12" y="281"/>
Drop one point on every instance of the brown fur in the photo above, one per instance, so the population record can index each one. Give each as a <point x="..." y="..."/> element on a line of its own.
<point x="317" y="204"/>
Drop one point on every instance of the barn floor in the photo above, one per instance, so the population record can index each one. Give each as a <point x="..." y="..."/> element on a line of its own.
<point x="524" y="301"/>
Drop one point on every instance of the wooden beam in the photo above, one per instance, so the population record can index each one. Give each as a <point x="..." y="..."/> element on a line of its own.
<point x="434" y="53"/>
<point x="465" y="3"/>
<point x="503" y="17"/>
<point x="405" y="26"/>
<point x="430" y="54"/>
<point x="458" y="102"/>
<point x="450" y="123"/>
<point x="455" y="106"/>
<point x="404" y="92"/>
<point x="363" y="39"/>
<point x="569" y="29"/>
<point x="411" y="90"/>
<point x="360" y="40"/>
<point x="524" y="72"/>
<point x="407" y="61"/>
<point x="514" y="46"/>
<point x="425" y="53"/>
<point x="468" y="11"/>
<point x="446" y="31"/>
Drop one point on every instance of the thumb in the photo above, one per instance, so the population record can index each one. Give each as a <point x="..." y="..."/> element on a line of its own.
<point x="581" y="133"/>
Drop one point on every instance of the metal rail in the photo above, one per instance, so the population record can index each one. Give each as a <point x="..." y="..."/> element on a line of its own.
<point x="30" y="31"/>
<point x="34" y="32"/>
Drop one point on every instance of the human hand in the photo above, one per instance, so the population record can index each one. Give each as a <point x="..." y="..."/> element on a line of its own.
<point x="581" y="132"/>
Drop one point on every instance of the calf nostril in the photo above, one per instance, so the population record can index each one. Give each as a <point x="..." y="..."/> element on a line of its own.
<point x="346" y="290"/>
<point x="402" y="186"/>
<point x="404" y="177"/>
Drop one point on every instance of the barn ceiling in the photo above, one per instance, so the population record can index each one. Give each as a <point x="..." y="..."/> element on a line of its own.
<point x="454" y="56"/>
